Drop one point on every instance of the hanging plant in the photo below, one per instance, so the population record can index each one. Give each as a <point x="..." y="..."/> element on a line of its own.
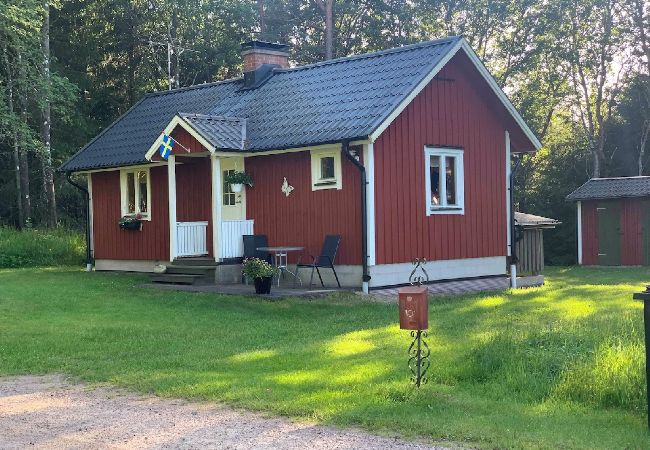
<point x="238" y="179"/>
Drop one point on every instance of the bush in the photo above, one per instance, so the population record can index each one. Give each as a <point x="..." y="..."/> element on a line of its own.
<point x="33" y="248"/>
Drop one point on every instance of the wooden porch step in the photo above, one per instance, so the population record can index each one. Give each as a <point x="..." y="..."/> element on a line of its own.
<point x="175" y="278"/>
<point x="190" y="270"/>
<point x="207" y="262"/>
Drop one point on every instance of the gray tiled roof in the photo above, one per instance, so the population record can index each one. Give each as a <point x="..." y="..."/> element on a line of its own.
<point x="346" y="98"/>
<point x="604" y="188"/>
<point x="224" y="133"/>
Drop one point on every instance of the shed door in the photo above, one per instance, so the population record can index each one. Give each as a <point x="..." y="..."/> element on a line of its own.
<point x="609" y="233"/>
<point x="645" y="231"/>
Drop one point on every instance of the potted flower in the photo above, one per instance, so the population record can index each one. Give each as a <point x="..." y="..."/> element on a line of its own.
<point x="238" y="179"/>
<point x="131" y="222"/>
<point x="261" y="272"/>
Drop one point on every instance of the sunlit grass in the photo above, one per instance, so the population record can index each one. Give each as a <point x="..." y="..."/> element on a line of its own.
<point x="557" y="366"/>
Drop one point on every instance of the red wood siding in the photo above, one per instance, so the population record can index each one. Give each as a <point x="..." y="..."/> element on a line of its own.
<point x="194" y="192"/>
<point x="449" y="112"/>
<point x="306" y="216"/>
<point x="630" y="233"/>
<point x="152" y="243"/>
<point x="589" y="234"/>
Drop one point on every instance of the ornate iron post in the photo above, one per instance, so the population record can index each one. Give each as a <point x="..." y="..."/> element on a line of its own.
<point x="645" y="296"/>
<point x="414" y="316"/>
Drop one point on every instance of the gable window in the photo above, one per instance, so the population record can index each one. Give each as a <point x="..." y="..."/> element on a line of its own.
<point x="326" y="169"/>
<point x="229" y="197"/>
<point x="444" y="181"/>
<point x="135" y="190"/>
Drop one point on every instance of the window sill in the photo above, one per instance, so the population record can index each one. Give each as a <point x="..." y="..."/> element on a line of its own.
<point x="326" y="183"/>
<point x="446" y="210"/>
<point x="142" y="218"/>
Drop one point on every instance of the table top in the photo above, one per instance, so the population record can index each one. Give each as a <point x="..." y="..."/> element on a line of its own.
<point x="280" y="249"/>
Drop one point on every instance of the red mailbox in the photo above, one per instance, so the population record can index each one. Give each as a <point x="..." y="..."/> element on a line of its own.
<point x="413" y="308"/>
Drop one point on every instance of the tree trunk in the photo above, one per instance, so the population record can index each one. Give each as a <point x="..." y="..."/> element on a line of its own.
<point x="46" y="156"/>
<point x="327" y="7"/>
<point x="596" y="162"/>
<point x="329" y="29"/>
<point x="645" y="134"/>
<point x="24" y="157"/>
<point x="262" y="18"/>
<point x="16" y="148"/>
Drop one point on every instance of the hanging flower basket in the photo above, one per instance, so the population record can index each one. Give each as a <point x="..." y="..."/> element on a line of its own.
<point x="132" y="223"/>
<point x="237" y="180"/>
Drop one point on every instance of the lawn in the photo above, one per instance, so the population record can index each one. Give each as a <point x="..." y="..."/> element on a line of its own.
<point x="558" y="366"/>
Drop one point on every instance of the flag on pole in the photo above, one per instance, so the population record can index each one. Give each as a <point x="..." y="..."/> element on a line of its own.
<point x="166" y="146"/>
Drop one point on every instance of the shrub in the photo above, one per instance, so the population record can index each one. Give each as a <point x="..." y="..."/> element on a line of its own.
<point x="33" y="248"/>
<point x="257" y="268"/>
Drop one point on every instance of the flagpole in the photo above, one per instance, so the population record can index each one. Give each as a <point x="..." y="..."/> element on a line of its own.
<point x="182" y="146"/>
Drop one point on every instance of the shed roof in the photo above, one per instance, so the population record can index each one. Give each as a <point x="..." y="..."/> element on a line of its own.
<point x="533" y="221"/>
<point x="609" y="188"/>
<point x="341" y="99"/>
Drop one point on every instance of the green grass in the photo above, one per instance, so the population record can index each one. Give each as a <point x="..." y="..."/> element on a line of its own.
<point x="553" y="367"/>
<point x="39" y="248"/>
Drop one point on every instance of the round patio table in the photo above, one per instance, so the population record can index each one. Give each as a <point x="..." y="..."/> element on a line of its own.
<point x="281" y="259"/>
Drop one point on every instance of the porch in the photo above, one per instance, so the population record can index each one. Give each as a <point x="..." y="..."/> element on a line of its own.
<point x="206" y="219"/>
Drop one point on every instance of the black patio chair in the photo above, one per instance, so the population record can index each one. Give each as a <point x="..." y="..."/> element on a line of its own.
<point x="324" y="260"/>
<point x="251" y="243"/>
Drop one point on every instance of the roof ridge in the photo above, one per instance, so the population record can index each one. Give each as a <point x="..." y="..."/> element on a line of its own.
<point x="617" y="178"/>
<point x="194" y="86"/>
<point x="212" y="117"/>
<point x="378" y="53"/>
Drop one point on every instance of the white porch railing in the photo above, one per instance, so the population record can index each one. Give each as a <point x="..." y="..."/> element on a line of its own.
<point x="232" y="245"/>
<point x="191" y="238"/>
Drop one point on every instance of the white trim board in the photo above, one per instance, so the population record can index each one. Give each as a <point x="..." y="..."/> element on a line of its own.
<point x="396" y="274"/>
<point x="508" y="188"/>
<point x="369" y="162"/>
<point x="177" y="120"/>
<point x="579" y="225"/>
<point x="461" y="44"/>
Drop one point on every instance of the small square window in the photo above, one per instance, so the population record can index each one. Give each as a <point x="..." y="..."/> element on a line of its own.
<point x="444" y="181"/>
<point x="326" y="169"/>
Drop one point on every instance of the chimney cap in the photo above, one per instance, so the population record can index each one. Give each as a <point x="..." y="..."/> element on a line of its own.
<point x="264" y="45"/>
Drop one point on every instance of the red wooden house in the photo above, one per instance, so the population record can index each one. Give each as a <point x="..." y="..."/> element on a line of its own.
<point x="613" y="221"/>
<point x="404" y="153"/>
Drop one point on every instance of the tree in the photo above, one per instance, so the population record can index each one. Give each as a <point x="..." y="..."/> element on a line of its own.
<point x="594" y="42"/>
<point x="46" y="155"/>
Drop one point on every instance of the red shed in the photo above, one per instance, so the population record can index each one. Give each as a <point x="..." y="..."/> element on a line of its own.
<point x="613" y="221"/>
<point x="404" y="153"/>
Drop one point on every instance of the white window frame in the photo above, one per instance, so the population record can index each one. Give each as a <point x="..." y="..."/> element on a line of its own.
<point x="317" y="183"/>
<point x="442" y="152"/>
<point x="124" y="194"/>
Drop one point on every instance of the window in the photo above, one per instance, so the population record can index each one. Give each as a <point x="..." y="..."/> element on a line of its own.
<point x="326" y="169"/>
<point x="229" y="197"/>
<point x="135" y="192"/>
<point x="444" y="181"/>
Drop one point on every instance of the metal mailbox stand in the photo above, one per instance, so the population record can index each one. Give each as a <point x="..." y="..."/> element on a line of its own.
<point x="645" y="296"/>
<point x="414" y="316"/>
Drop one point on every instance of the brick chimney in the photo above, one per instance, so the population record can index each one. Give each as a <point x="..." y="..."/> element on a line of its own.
<point x="257" y="53"/>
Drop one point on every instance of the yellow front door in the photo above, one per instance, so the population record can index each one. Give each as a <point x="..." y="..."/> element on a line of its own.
<point x="233" y="204"/>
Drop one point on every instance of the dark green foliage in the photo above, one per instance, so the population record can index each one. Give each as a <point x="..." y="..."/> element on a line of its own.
<point x="40" y="248"/>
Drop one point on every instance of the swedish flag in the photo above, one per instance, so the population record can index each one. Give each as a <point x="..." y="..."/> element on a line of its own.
<point x="166" y="146"/>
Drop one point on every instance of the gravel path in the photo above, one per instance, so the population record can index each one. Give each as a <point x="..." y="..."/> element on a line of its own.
<point x="50" y="412"/>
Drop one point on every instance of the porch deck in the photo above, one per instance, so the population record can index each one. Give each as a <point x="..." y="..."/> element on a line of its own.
<point x="249" y="290"/>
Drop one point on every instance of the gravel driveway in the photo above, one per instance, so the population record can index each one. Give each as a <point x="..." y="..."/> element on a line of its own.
<point x="50" y="412"/>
